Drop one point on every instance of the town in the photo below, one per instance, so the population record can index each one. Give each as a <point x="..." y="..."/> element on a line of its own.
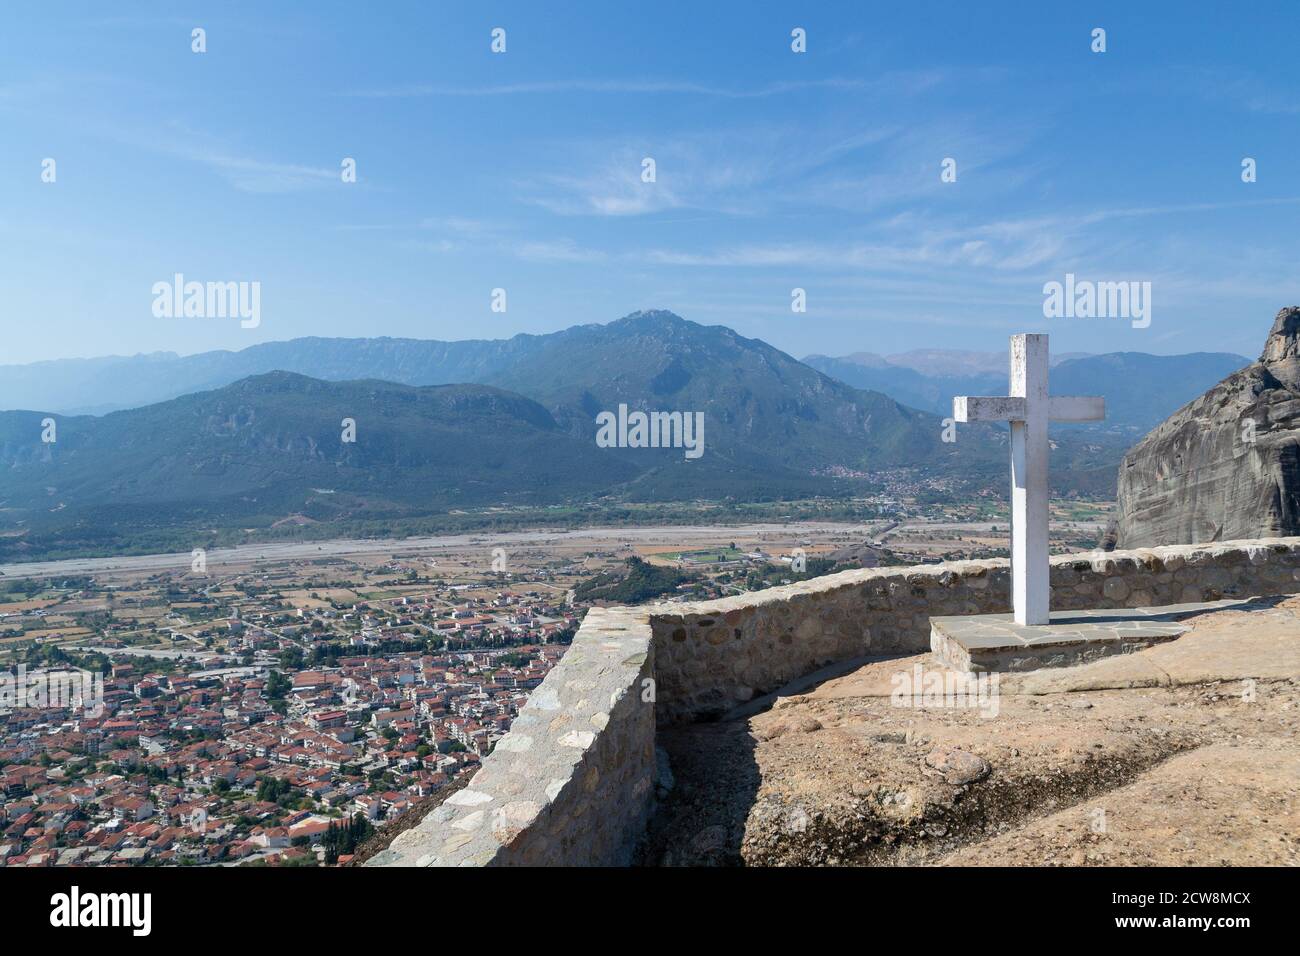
<point x="254" y="717"/>
<point x="255" y="710"/>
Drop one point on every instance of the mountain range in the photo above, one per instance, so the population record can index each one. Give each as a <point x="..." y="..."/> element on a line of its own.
<point x="255" y="439"/>
<point x="269" y="446"/>
<point x="1141" y="389"/>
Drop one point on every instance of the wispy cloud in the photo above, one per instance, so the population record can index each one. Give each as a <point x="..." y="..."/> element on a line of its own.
<point x="898" y="82"/>
<point x="836" y="163"/>
<point x="960" y="249"/>
<point x="16" y="92"/>
<point x="243" y="171"/>
<point x="1245" y="89"/>
<point x="259" y="176"/>
<point x="742" y="171"/>
<point x="563" y="250"/>
<point x="448" y="234"/>
<point x="905" y="243"/>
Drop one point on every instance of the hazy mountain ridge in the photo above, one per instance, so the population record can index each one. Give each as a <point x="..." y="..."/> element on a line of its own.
<point x="269" y="448"/>
<point x="535" y="365"/>
<point x="271" y="438"/>
<point x="80" y="386"/>
<point x="940" y="362"/>
<point x="1140" y="389"/>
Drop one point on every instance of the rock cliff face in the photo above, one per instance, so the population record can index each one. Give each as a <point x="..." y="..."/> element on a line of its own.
<point x="1226" y="465"/>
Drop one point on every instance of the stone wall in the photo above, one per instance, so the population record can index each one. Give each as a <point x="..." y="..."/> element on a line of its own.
<point x="713" y="655"/>
<point x="573" y="781"/>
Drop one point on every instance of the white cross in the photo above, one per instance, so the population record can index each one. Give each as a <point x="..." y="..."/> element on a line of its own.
<point x="1028" y="409"/>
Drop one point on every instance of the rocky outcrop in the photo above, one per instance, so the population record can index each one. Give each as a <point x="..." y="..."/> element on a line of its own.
<point x="1226" y="465"/>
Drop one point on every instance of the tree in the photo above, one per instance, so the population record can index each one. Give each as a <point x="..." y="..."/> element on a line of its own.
<point x="344" y="838"/>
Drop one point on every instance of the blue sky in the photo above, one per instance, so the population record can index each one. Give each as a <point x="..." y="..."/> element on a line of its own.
<point x="521" y="170"/>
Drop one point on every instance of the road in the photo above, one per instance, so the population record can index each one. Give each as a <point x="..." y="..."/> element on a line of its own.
<point x="143" y="652"/>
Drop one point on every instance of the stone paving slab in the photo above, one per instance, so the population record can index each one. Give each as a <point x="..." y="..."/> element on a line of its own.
<point x="995" y="642"/>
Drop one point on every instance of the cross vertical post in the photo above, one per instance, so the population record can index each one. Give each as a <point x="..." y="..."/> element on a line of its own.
<point x="1029" y="558"/>
<point x="1028" y="408"/>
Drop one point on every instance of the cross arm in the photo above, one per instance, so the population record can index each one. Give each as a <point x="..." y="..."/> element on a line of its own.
<point x="983" y="408"/>
<point x="1076" y="408"/>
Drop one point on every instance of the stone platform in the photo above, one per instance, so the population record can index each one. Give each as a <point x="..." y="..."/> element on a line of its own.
<point x="995" y="642"/>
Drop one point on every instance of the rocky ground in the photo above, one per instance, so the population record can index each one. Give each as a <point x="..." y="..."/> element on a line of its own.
<point x="1183" y="754"/>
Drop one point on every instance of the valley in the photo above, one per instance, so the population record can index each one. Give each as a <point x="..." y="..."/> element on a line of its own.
<point x="938" y="534"/>
<point x="517" y="443"/>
